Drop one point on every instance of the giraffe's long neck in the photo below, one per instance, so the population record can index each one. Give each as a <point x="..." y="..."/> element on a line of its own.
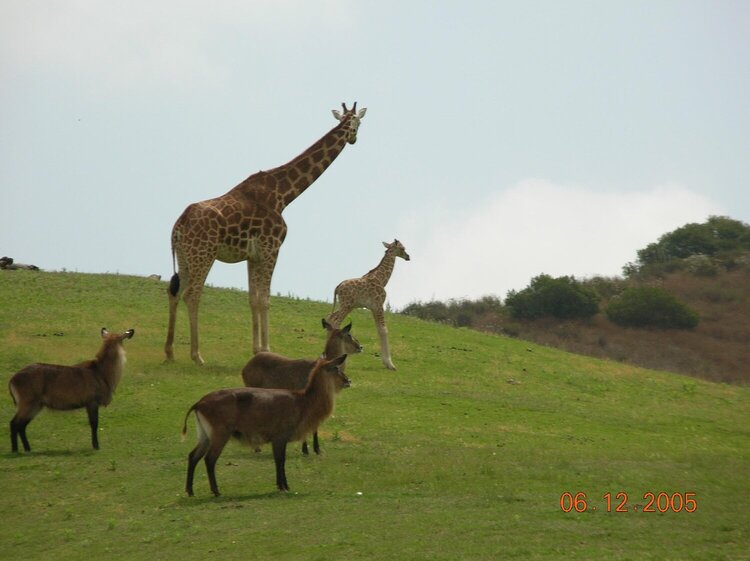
<point x="382" y="273"/>
<point x="279" y="186"/>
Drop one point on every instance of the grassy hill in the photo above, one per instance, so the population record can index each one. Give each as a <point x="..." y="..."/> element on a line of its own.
<point x="717" y="349"/>
<point x="463" y="453"/>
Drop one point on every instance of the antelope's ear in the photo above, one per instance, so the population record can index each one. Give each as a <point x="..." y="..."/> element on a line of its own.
<point x="361" y="113"/>
<point x="347" y="328"/>
<point x="128" y="334"/>
<point x="325" y="323"/>
<point x="337" y="114"/>
<point x="104" y="332"/>
<point x="338" y="361"/>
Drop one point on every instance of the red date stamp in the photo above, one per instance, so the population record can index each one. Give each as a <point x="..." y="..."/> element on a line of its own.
<point x="652" y="502"/>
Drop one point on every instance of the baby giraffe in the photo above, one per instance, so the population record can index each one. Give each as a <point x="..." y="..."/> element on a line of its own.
<point x="368" y="292"/>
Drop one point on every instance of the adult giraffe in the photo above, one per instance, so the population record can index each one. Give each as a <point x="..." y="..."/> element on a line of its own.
<point x="245" y="224"/>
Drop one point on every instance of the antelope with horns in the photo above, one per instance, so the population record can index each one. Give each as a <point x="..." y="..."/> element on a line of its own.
<point x="88" y="384"/>
<point x="270" y="370"/>
<point x="259" y="415"/>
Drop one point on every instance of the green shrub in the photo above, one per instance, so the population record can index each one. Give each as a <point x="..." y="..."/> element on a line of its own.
<point x="562" y="297"/>
<point x="431" y="311"/>
<point x="605" y="287"/>
<point x="701" y="265"/>
<point x="460" y="313"/>
<point x="650" y="307"/>
<point x="720" y="237"/>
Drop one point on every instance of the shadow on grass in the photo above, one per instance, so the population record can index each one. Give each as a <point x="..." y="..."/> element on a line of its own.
<point x="47" y="454"/>
<point x="235" y="501"/>
<point x="215" y="368"/>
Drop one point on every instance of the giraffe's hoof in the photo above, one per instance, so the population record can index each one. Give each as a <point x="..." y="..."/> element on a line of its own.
<point x="198" y="360"/>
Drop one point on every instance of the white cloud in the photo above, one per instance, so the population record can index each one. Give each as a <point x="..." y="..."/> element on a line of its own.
<point x="536" y="227"/>
<point x="137" y="44"/>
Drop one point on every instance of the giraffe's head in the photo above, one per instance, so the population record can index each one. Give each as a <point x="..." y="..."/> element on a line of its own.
<point x="396" y="248"/>
<point x="352" y="118"/>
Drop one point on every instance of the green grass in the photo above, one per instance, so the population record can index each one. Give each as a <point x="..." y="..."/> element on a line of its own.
<point x="463" y="453"/>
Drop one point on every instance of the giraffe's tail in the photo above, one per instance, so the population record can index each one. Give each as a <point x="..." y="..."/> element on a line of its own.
<point x="174" y="282"/>
<point x="335" y="294"/>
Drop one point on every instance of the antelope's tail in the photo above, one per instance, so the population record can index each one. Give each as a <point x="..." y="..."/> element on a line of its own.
<point x="12" y="395"/>
<point x="183" y="434"/>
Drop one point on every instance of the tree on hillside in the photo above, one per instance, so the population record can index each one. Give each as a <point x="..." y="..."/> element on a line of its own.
<point x="459" y="313"/>
<point x="719" y="236"/>
<point x="649" y="306"/>
<point x="562" y="297"/>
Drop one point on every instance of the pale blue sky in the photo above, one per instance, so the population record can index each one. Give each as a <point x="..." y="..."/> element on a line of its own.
<point x="502" y="139"/>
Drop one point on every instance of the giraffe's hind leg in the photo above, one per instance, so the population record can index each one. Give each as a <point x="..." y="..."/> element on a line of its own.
<point x="192" y="297"/>
<point x="339" y="315"/>
<point x="187" y="285"/>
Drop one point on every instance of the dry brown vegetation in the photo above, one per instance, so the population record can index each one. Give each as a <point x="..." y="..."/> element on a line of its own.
<point x="695" y="273"/>
<point x="718" y="349"/>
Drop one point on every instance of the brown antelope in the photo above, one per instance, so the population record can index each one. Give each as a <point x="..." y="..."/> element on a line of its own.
<point x="88" y="384"/>
<point x="269" y="370"/>
<point x="259" y="415"/>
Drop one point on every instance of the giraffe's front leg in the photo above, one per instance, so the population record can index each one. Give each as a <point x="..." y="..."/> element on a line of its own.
<point x="259" y="312"/>
<point x="265" y="344"/>
<point x="255" y="315"/>
<point x="259" y="289"/>
<point x="385" y="353"/>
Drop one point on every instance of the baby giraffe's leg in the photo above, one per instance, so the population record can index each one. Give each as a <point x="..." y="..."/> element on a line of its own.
<point x="385" y="353"/>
